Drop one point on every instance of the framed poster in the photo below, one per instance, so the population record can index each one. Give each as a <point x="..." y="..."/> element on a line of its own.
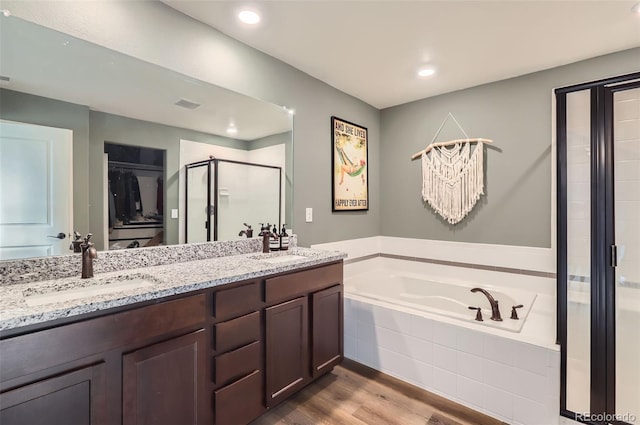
<point x="349" y="159"/>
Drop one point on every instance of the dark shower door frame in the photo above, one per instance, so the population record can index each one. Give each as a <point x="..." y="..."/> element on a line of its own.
<point x="603" y="251"/>
<point x="212" y="167"/>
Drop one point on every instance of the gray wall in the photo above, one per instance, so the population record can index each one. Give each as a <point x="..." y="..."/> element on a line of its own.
<point x="516" y="114"/>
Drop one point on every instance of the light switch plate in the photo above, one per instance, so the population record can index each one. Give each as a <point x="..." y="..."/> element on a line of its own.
<point x="309" y="215"/>
<point x="174" y="213"/>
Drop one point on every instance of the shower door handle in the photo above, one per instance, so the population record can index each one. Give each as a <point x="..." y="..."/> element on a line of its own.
<point x="614" y="256"/>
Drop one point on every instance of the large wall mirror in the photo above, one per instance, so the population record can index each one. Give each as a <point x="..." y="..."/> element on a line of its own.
<point x="96" y="141"/>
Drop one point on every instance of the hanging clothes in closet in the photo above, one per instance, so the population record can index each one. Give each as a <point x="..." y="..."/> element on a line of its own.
<point x="125" y="190"/>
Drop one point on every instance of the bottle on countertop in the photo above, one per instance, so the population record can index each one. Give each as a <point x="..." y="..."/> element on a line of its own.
<point x="274" y="240"/>
<point x="284" y="239"/>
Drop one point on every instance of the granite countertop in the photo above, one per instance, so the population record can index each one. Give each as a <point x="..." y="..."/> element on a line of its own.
<point x="159" y="282"/>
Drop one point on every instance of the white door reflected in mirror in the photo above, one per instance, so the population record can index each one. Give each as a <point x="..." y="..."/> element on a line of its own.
<point x="35" y="190"/>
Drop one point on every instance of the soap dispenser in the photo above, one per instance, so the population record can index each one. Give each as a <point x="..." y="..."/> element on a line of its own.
<point x="274" y="240"/>
<point x="284" y="239"/>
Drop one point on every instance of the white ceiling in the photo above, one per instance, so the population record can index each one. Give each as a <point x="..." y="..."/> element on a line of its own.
<point x="372" y="49"/>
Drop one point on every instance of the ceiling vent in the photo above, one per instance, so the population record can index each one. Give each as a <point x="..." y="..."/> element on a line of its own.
<point x="4" y="79"/>
<point x="187" y="104"/>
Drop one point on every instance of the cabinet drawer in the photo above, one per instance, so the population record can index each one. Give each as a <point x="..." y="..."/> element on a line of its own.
<point x="237" y="332"/>
<point x="293" y="284"/>
<point x="240" y="402"/>
<point x="235" y="301"/>
<point x="237" y="363"/>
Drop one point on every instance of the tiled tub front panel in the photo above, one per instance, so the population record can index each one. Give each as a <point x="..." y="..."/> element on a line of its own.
<point x="510" y="380"/>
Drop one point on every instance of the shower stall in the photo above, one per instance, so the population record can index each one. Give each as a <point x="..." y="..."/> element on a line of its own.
<point x="222" y="195"/>
<point x="598" y="170"/>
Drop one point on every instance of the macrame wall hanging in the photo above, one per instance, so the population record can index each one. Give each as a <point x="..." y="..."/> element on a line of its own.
<point x="452" y="175"/>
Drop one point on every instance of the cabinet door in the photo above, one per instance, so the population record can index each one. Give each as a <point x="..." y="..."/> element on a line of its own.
<point x="326" y="330"/>
<point x="165" y="382"/>
<point x="72" y="398"/>
<point x="287" y="349"/>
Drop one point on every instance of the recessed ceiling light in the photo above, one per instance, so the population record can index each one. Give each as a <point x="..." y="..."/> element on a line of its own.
<point x="232" y="129"/>
<point x="636" y="8"/>
<point x="6" y="13"/>
<point x="249" y="17"/>
<point x="426" y="71"/>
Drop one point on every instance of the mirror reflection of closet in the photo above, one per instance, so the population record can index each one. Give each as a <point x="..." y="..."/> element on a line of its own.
<point x="134" y="209"/>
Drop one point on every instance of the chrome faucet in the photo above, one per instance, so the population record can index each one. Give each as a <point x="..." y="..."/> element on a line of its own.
<point x="495" y="311"/>
<point x="89" y="253"/>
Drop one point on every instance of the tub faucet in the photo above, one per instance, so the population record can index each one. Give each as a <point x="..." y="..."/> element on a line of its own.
<point x="89" y="253"/>
<point x="495" y="311"/>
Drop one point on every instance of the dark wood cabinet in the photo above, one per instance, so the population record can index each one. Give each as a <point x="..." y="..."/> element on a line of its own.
<point x="81" y="373"/>
<point x="303" y="333"/>
<point x="165" y="382"/>
<point x="222" y="355"/>
<point x="76" y="397"/>
<point x="287" y="349"/>
<point x="238" y="358"/>
<point x="326" y="330"/>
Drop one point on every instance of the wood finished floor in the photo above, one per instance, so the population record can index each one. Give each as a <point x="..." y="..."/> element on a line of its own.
<point x="355" y="394"/>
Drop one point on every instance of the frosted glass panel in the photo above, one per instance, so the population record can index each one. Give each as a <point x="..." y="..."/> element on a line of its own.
<point x="241" y="188"/>
<point x="626" y="153"/>
<point x="578" y="251"/>
<point x="197" y="207"/>
<point x="24" y="182"/>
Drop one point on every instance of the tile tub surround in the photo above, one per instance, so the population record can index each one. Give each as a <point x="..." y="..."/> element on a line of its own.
<point x="45" y="268"/>
<point x="171" y="279"/>
<point x="510" y="380"/>
<point x="512" y="259"/>
<point x="512" y="377"/>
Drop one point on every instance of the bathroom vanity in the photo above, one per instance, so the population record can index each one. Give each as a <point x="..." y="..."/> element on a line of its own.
<point x="223" y="349"/>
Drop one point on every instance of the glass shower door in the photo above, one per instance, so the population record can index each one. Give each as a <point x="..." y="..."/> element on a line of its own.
<point x="198" y="209"/>
<point x="598" y="134"/>
<point x="626" y="154"/>
<point x="578" y="347"/>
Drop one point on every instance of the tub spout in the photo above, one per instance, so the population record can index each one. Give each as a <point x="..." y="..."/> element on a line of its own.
<point x="495" y="310"/>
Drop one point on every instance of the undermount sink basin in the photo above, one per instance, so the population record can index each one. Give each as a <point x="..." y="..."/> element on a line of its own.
<point x="84" y="288"/>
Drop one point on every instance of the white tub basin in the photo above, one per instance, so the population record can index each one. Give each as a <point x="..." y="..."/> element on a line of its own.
<point x="85" y="288"/>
